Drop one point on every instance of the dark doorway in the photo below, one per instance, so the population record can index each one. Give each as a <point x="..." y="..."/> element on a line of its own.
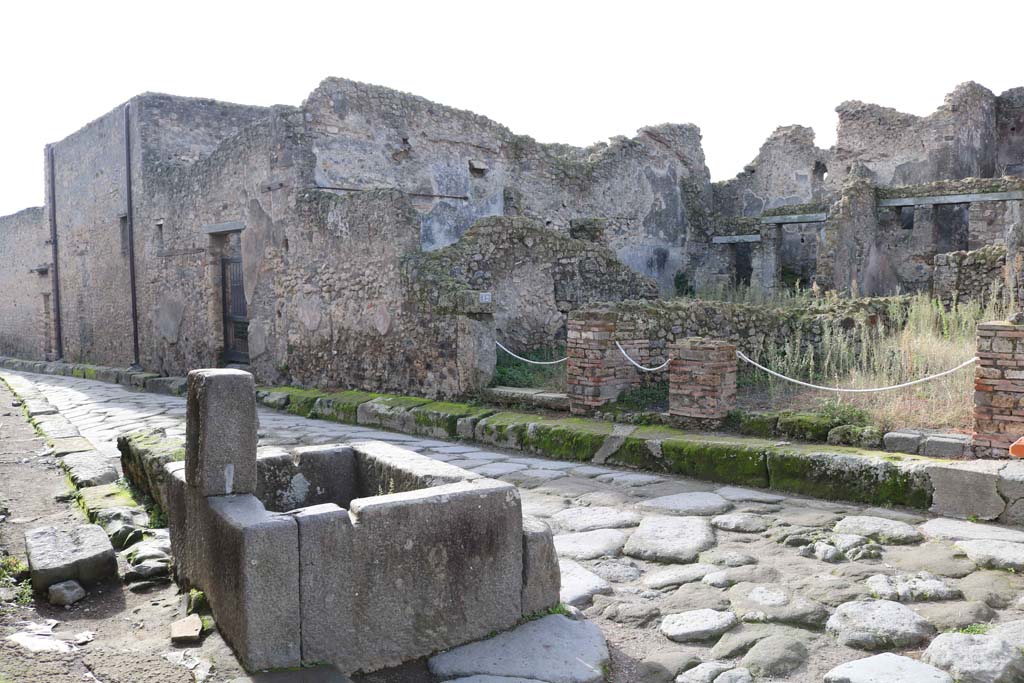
<point x="236" y="315"/>
<point x="951" y="227"/>
<point x="743" y="261"/>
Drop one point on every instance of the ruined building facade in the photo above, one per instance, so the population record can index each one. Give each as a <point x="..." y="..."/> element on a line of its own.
<point x="373" y="239"/>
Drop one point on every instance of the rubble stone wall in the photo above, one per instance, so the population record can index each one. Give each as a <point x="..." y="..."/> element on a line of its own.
<point x="969" y="276"/>
<point x="26" y="318"/>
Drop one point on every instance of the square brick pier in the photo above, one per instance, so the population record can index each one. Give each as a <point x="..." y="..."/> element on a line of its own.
<point x="998" y="389"/>
<point x="702" y="378"/>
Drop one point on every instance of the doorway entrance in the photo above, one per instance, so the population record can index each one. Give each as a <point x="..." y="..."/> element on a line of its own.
<point x="236" y="315"/>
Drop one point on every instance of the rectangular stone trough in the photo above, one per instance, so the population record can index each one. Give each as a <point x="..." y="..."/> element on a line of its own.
<point x="364" y="555"/>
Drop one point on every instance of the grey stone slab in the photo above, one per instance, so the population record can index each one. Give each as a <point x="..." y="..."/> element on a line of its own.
<point x="1010" y="631"/>
<point x="542" y="578"/>
<point x="776" y="603"/>
<point x="911" y="587"/>
<point x="903" y="441"/>
<point x="990" y="554"/>
<point x="254" y="587"/>
<point x="39" y="407"/>
<point x="738" y="494"/>
<point x="670" y="539"/>
<point x="690" y="503"/>
<point x="589" y="545"/>
<point x="580" y="585"/>
<point x="629" y="479"/>
<point x="741" y="522"/>
<point x="89" y="468"/>
<point x="966" y="491"/>
<point x="878" y="625"/>
<point x="65" y="593"/>
<point x="220" y="449"/>
<point x="82" y="553"/>
<point x="976" y="658"/>
<point x="696" y="625"/>
<point x="677" y="575"/>
<point x="553" y="649"/>
<point x="887" y="531"/>
<point x="306" y="476"/>
<point x="588" y="518"/>
<point x="498" y="469"/>
<point x="775" y="656"/>
<point x="944" y="446"/>
<point x="887" y="668"/>
<point x="957" y="530"/>
<point x="325" y="571"/>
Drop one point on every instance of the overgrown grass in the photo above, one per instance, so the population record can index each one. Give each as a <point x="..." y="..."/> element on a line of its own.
<point x="923" y="339"/>
<point x="510" y="372"/>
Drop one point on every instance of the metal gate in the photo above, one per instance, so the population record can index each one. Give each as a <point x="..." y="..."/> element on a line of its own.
<point x="236" y="316"/>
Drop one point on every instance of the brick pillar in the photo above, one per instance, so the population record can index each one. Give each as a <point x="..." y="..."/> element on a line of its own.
<point x="590" y="371"/>
<point x="702" y="378"/>
<point x="998" y="389"/>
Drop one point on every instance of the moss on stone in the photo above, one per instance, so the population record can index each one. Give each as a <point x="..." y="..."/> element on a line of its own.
<point x="96" y="498"/>
<point x="636" y="452"/>
<point x="564" y="442"/>
<point x="725" y="462"/>
<point x="805" y="426"/>
<point x="445" y="416"/>
<point x="763" y="424"/>
<point x="506" y="428"/>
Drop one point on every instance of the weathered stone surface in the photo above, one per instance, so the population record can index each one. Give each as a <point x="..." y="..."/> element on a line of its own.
<point x="936" y="557"/>
<point x="877" y="625"/>
<point x="994" y="554"/>
<point x="957" y="530"/>
<point x="89" y="468"/>
<point x="662" y="666"/>
<point x="775" y="656"/>
<point x="65" y="593"/>
<point x="627" y="610"/>
<point x="552" y="649"/>
<point x="887" y="531"/>
<point x="911" y="587"/>
<point x="886" y="668"/>
<point x="596" y="517"/>
<point x="996" y="588"/>
<point x="747" y="573"/>
<point x="903" y="441"/>
<point x="676" y="575"/>
<point x="966" y="492"/>
<point x="580" y="585"/>
<point x="826" y="552"/>
<point x="220" y="450"/>
<point x="759" y="602"/>
<point x="700" y="624"/>
<point x="944" y="446"/>
<point x="726" y="557"/>
<point x="738" y="675"/>
<point x="975" y="658"/>
<point x="616" y="570"/>
<point x="692" y="503"/>
<point x="740" y="521"/>
<point x="588" y="545"/>
<point x="955" y="615"/>
<point x="736" y="494"/>
<point x="691" y="596"/>
<point x="83" y="554"/>
<point x="1010" y="631"/>
<point x="187" y="630"/>
<point x="542" y="579"/>
<point x="670" y="539"/>
<point x="704" y="673"/>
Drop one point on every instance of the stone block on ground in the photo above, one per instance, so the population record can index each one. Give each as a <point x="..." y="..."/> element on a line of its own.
<point x="878" y="625"/>
<point x="903" y="441"/>
<point x="670" y="539"/>
<point x="82" y="554"/>
<point x="553" y="649"/>
<point x="65" y="593"/>
<point x="696" y="625"/>
<point x="980" y="658"/>
<point x="542" y="579"/>
<point x="579" y="585"/>
<point x="98" y="498"/>
<point x="886" y="531"/>
<point x="887" y="668"/>
<point x="957" y="530"/>
<point x="89" y="468"/>
<point x="696" y="503"/>
<point x="968" y="491"/>
<point x="74" y="444"/>
<point x="994" y="554"/>
<point x="187" y="630"/>
<point x="945" y="446"/>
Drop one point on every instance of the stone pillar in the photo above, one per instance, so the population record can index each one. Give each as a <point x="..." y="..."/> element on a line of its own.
<point x="702" y="378"/>
<point x="998" y="389"/>
<point x="220" y="444"/>
<point x="590" y="371"/>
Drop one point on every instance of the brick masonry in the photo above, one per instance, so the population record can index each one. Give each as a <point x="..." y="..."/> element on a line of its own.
<point x="998" y="389"/>
<point x="702" y="378"/>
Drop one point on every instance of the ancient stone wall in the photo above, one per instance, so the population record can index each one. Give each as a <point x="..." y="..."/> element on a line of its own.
<point x="458" y="167"/>
<point x="969" y="276"/>
<point x="597" y="372"/>
<point x="957" y="141"/>
<point x="535" y="275"/>
<point x="1010" y="133"/>
<point x="26" y="306"/>
<point x="788" y="169"/>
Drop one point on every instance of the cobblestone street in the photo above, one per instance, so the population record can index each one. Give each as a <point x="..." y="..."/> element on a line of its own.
<point x="689" y="576"/>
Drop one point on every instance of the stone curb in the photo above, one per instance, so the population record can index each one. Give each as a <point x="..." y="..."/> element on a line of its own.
<point x="983" y="490"/>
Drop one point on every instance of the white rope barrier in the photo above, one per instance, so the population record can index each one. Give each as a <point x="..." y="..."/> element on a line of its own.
<point x="654" y="369"/>
<point x="527" y="360"/>
<point x="857" y="391"/>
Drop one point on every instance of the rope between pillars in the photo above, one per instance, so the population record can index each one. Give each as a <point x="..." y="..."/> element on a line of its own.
<point x="857" y="391"/>
<point x="527" y="360"/>
<point x="654" y="369"/>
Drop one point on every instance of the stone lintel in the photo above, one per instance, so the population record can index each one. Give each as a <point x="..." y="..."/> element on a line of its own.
<point x="735" y="239"/>
<point x="796" y="218"/>
<point x="222" y="228"/>
<point x="953" y="199"/>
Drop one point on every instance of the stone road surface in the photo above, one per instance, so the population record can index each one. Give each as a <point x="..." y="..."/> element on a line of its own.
<point x="692" y="581"/>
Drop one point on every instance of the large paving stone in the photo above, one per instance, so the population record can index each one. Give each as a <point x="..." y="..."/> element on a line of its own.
<point x="580" y="585"/>
<point x="904" y="441"/>
<point x="760" y="602"/>
<point x="995" y="588"/>
<point x="878" y="625"/>
<point x="541" y="576"/>
<point x="691" y="503"/>
<point x="976" y="659"/>
<point x="708" y="672"/>
<point x="89" y="468"/>
<point x="775" y="656"/>
<point x="994" y="554"/>
<point x="967" y="491"/>
<point x="957" y="530"/>
<point x="670" y="539"/>
<point x="588" y="545"/>
<point x="677" y="575"/>
<point x="742" y="522"/>
<point x="83" y="554"/>
<point x="956" y="614"/>
<point x="887" y="531"/>
<point x="887" y="668"/>
<point x="597" y="517"/>
<point x="691" y="596"/>
<point x="936" y="557"/>
<point x="911" y="588"/>
<point x="553" y="649"/>
<point x="695" y="625"/>
<point x="662" y="666"/>
<point x="737" y="494"/>
<point x="1010" y="631"/>
<point x="738" y="641"/>
<point x="733" y="575"/>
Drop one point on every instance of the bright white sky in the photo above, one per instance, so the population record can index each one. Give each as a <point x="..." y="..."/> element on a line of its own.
<point x="574" y="72"/>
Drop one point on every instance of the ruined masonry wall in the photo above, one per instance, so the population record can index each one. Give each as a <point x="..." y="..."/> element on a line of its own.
<point x="969" y="276"/>
<point x="26" y="305"/>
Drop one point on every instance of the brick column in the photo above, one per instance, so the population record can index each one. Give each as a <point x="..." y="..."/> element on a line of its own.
<point x="702" y="378"/>
<point x="998" y="389"/>
<point x="590" y="372"/>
